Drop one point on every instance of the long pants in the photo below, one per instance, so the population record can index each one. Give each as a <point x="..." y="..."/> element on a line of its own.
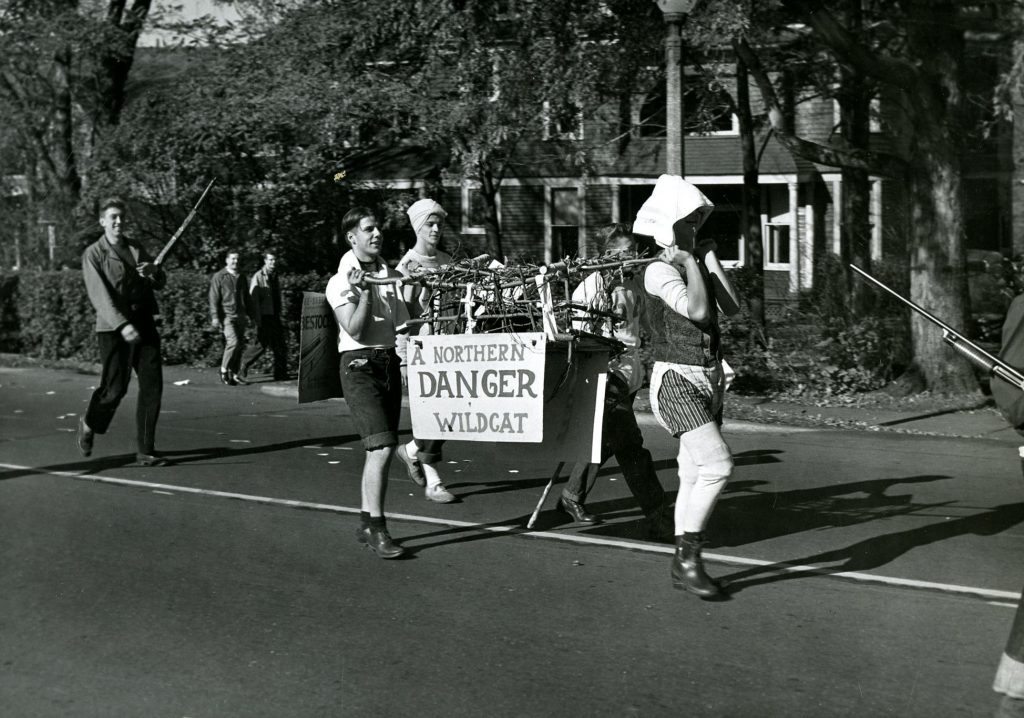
<point x="705" y="464"/>
<point x="621" y="437"/>
<point x="119" y="358"/>
<point x="234" y="344"/>
<point x="269" y="336"/>
<point x="1010" y="675"/>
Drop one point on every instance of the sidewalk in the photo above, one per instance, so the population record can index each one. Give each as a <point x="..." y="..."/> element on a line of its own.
<point x="743" y="413"/>
<point x="748" y="413"/>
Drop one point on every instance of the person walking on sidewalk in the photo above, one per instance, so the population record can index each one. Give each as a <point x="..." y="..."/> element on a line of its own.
<point x="1009" y="679"/>
<point x="421" y="456"/>
<point x="120" y="278"/>
<point x="230" y="309"/>
<point x="687" y="289"/>
<point x="620" y="434"/>
<point x="369" y="317"/>
<point x="265" y="293"/>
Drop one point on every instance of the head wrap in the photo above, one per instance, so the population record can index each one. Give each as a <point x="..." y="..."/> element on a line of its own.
<point x="420" y="210"/>
<point x="673" y="199"/>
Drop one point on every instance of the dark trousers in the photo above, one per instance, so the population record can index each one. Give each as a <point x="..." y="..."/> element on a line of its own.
<point x="429" y="450"/>
<point x="119" y="358"/>
<point x="621" y="437"/>
<point x="269" y="337"/>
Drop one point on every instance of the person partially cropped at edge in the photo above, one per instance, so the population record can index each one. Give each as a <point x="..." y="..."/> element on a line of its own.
<point x="1009" y="679"/>
<point x="620" y="435"/>
<point x="369" y="318"/>
<point x="421" y="456"/>
<point x="120" y="278"/>
<point x="687" y="289"/>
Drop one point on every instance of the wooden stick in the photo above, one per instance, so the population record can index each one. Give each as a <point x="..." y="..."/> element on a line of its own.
<point x="544" y="496"/>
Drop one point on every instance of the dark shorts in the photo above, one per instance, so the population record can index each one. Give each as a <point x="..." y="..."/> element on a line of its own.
<point x="372" y="383"/>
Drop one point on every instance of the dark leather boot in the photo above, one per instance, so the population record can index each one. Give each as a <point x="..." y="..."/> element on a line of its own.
<point x="688" y="569"/>
<point x="379" y="541"/>
<point x="577" y="511"/>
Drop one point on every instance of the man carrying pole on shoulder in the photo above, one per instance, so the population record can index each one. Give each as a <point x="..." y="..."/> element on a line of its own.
<point x="120" y="277"/>
<point x="369" y="317"/>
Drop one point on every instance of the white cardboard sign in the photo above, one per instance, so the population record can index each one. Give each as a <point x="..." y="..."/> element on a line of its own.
<point x="477" y="387"/>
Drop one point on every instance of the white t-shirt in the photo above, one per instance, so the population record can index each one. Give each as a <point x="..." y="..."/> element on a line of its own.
<point x="666" y="282"/>
<point x="388" y="310"/>
<point x="627" y="300"/>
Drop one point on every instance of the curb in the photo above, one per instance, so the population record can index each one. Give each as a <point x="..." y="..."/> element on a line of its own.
<point x="644" y="418"/>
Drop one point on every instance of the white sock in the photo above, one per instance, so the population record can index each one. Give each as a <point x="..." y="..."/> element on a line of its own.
<point x="433" y="478"/>
<point x="411" y="449"/>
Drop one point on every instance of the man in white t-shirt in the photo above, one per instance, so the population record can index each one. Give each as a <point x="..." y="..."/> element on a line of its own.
<point x="369" y="317"/>
<point x="421" y="455"/>
<point x="620" y="435"/>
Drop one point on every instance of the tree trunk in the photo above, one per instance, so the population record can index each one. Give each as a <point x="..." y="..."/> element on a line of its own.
<point x="752" y="237"/>
<point x="938" y="281"/>
<point x="492" y="228"/>
<point x="855" y="124"/>
<point x="68" y="180"/>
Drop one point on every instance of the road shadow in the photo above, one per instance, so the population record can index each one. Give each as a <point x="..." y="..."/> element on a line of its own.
<point x="180" y="456"/>
<point x="746" y="514"/>
<point x="877" y="551"/>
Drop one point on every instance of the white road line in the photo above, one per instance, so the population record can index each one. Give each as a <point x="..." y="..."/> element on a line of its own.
<point x="777" y="567"/>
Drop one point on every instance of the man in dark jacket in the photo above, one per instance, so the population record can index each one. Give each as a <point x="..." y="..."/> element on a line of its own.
<point x="230" y="310"/>
<point x="120" y="277"/>
<point x="266" y="300"/>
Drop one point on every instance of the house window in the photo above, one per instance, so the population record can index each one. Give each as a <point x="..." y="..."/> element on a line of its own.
<point x="725" y="225"/>
<point x="705" y="112"/>
<point x="474" y="209"/>
<point x="776" y="238"/>
<point x="562" y="122"/>
<point x="565" y="222"/>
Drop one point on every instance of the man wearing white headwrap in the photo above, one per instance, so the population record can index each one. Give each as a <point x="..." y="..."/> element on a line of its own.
<point x="689" y="287"/>
<point x="421" y="455"/>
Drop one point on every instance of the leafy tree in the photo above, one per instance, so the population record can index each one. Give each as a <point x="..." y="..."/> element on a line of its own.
<point x="915" y="53"/>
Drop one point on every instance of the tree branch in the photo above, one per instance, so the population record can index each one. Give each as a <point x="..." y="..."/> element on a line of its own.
<point x="876" y="162"/>
<point x="853" y="53"/>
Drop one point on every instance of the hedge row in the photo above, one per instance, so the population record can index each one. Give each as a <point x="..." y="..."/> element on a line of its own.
<point x="48" y="315"/>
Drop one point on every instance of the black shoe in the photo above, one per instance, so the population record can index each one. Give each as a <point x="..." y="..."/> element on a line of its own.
<point x="240" y="379"/>
<point x="379" y="541"/>
<point x="577" y="511"/>
<point x="84" y="437"/>
<point x="226" y="378"/>
<point x="688" y="570"/>
<point x="151" y="460"/>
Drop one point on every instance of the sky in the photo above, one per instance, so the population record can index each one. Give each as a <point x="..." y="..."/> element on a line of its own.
<point x="189" y="10"/>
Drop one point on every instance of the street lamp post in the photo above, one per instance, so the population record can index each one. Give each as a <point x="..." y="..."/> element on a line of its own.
<point x="674" y="12"/>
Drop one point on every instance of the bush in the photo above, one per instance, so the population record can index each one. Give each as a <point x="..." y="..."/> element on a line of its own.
<point x="48" y="315"/>
<point x="55" y="318"/>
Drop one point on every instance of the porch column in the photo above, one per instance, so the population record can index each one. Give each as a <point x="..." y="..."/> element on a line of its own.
<point x="876" y="219"/>
<point x="837" y="218"/>
<point x="795" y="258"/>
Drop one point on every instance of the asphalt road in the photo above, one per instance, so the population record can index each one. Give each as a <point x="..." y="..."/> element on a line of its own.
<point x="873" y="575"/>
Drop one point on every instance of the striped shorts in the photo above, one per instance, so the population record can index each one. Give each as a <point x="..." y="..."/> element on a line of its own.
<point x="685" y="397"/>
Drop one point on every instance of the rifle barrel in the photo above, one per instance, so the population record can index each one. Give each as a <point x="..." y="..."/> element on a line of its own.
<point x="960" y="343"/>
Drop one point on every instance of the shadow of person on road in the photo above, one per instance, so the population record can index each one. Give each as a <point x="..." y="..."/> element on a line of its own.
<point x="879" y="550"/>
<point x="745" y="514"/>
<point x="178" y="456"/>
